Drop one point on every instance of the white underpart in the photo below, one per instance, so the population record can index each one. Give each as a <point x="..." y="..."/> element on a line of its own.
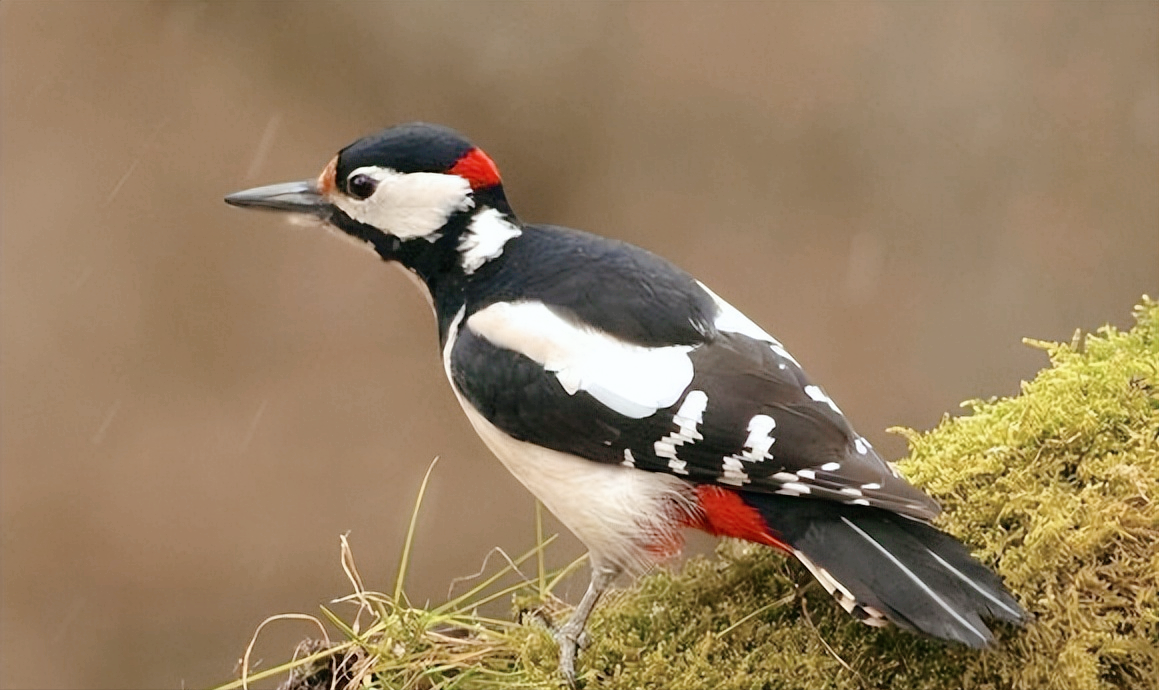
<point x="408" y="205"/>
<point x="484" y="239"/>
<point x="632" y="380"/>
<point x="690" y="414"/>
<point x="731" y="320"/>
<point x="617" y="512"/>
<point x="819" y="395"/>
<point x="756" y="449"/>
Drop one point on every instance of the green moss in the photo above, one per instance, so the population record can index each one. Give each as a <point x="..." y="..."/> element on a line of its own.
<point x="1056" y="488"/>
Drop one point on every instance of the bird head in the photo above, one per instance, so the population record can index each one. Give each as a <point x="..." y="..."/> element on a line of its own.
<point x="410" y="182"/>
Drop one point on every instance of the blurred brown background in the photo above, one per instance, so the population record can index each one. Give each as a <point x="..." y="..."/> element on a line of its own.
<point x="197" y="401"/>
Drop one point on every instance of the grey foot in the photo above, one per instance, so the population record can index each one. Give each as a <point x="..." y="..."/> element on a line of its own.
<point x="570" y="639"/>
<point x="565" y="637"/>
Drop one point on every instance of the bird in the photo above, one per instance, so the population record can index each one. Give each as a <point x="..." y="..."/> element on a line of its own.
<point x="632" y="400"/>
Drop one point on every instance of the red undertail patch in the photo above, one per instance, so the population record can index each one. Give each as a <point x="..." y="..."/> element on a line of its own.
<point x="478" y="169"/>
<point x="724" y="513"/>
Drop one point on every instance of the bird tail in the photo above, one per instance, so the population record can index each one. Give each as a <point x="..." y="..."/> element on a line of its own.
<point x="881" y="566"/>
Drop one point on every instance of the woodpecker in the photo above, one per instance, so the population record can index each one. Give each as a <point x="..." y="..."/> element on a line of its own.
<point x="632" y="401"/>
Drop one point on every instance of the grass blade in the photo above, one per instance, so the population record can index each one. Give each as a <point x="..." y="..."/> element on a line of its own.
<point x="410" y="534"/>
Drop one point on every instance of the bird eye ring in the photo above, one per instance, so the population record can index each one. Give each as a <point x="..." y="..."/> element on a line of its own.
<point x="361" y="186"/>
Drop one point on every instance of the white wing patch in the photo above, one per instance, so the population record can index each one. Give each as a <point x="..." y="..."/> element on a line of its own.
<point x="632" y="380"/>
<point x="484" y="239"/>
<point x="408" y="204"/>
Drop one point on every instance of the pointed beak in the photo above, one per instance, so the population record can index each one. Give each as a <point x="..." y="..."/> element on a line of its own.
<point x="288" y="197"/>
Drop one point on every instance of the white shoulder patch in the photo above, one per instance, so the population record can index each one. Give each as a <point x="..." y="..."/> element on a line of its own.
<point x="484" y="239"/>
<point x="408" y="205"/>
<point x="632" y="380"/>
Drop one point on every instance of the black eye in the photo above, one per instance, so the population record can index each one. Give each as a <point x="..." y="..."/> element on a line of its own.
<point x="361" y="186"/>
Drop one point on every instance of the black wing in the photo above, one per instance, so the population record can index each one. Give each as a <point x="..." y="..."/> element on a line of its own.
<point x="750" y="420"/>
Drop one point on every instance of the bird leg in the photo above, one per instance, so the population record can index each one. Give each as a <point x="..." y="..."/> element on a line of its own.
<point x="568" y="635"/>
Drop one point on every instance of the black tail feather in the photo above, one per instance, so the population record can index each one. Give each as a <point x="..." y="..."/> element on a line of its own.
<point x="882" y="565"/>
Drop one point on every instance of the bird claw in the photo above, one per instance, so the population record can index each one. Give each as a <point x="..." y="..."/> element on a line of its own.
<point x="569" y="645"/>
<point x="566" y="639"/>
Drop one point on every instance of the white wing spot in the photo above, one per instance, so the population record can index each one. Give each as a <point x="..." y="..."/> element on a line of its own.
<point x="690" y="414"/>
<point x="759" y="440"/>
<point x="756" y="449"/>
<point x="667" y="450"/>
<point x="484" y="239"/>
<point x="796" y="486"/>
<point x="629" y="460"/>
<point x="831" y="466"/>
<point x="861" y="445"/>
<point x="819" y="395"/>
<point x="734" y="473"/>
<point x="872" y="486"/>
<point x="851" y="492"/>
<point x="807" y="474"/>
<point x="859" y="502"/>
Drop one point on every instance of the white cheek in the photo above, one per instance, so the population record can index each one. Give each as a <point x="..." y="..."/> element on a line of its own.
<point x="408" y="205"/>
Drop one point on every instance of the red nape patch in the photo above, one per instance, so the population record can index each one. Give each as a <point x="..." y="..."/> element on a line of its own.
<point x="478" y="169"/>
<point x="724" y="513"/>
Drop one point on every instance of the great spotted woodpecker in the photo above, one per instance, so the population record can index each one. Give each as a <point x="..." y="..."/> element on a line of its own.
<point x="632" y="400"/>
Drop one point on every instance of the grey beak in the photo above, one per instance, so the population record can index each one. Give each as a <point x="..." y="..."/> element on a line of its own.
<point x="288" y="197"/>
